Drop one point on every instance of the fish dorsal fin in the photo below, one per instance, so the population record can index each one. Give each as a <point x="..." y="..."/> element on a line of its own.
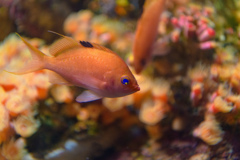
<point x="97" y="46"/>
<point x="67" y="43"/>
<point x="62" y="44"/>
<point x="88" y="96"/>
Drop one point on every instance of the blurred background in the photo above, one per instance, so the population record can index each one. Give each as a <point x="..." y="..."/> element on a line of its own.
<point x="188" y="106"/>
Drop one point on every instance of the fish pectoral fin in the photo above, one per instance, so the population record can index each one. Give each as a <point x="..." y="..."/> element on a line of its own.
<point x="88" y="96"/>
<point x="55" y="78"/>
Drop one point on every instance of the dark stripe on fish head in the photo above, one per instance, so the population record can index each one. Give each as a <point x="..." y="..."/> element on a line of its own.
<point x="86" y="44"/>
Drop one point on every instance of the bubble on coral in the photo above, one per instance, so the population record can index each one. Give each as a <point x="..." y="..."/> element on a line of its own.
<point x="26" y="126"/>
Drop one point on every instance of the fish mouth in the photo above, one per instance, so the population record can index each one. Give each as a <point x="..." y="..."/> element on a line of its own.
<point x="137" y="88"/>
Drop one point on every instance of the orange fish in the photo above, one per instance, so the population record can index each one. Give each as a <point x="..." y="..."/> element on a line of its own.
<point x="88" y="65"/>
<point x="146" y="33"/>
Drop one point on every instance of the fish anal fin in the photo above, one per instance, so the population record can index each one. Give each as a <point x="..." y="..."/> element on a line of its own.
<point x="88" y="96"/>
<point x="55" y="78"/>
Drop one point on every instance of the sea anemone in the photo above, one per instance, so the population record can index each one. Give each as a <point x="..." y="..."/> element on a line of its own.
<point x="161" y="90"/>
<point x="220" y="105"/>
<point x="209" y="130"/>
<point x="26" y="126"/>
<point x="198" y="73"/>
<point x="152" y="112"/>
<point x="14" y="150"/>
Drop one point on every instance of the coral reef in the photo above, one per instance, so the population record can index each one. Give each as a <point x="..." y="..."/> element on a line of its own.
<point x="187" y="108"/>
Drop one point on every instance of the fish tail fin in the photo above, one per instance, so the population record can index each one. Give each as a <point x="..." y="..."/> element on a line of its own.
<point x="35" y="64"/>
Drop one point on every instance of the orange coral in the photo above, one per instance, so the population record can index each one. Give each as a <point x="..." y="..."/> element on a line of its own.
<point x="4" y="118"/>
<point x="209" y="131"/>
<point x="198" y="73"/>
<point x="155" y="131"/>
<point x="62" y="93"/>
<point x="220" y="105"/>
<point x="25" y="126"/>
<point x="160" y="90"/>
<point x="6" y="134"/>
<point x="16" y="105"/>
<point x="13" y="150"/>
<point x="71" y="110"/>
<point x="115" y="104"/>
<point x="153" y="112"/>
<point x="83" y="114"/>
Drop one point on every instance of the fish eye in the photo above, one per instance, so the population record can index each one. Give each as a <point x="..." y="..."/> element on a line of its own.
<point x="125" y="80"/>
